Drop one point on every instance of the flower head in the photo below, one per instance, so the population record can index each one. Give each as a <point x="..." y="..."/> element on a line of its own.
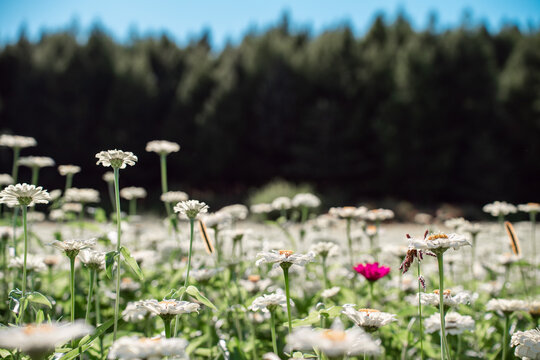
<point x="269" y="302"/>
<point x="236" y="211"/>
<point x="325" y="248"/>
<point x="174" y="196"/>
<point x="36" y="161"/>
<point x="281" y="203"/>
<point x="278" y="257"/>
<point x="369" y="319"/>
<point x="448" y="299"/>
<point x="530" y="208"/>
<point x="93" y="259"/>
<point x="133" y="192"/>
<point x="191" y="208"/>
<point x="372" y="272"/>
<point x="72" y="247"/>
<point x="167" y="308"/>
<point x="528" y="344"/>
<point x="65" y="170"/>
<point x="506" y="306"/>
<point x="379" y="215"/>
<point x="135" y="311"/>
<point x="117" y="159"/>
<point x="305" y="200"/>
<point x="454" y="323"/>
<point x="108" y="177"/>
<point x="499" y="208"/>
<point x="85" y="195"/>
<point x="439" y="242"/>
<point x="6" y="179"/>
<point x="24" y="195"/>
<point x="162" y="147"/>
<point x="135" y="348"/>
<point x="16" y="141"/>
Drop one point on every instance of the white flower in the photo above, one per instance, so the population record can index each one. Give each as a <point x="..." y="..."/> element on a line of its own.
<point x="236" y="211"/>
<point x="281" y="203"/>
<point x="454" y="323"/>
<point x="16" y="141"/>
<point x="69" y="169"/>
<point x="36" y="161"/>
<point x="506" y="306"/>
<point x="136" y="311"/>
<point x="82" y="195"/>
<point x="191" y="208"/>
<point x="305" y="200"/>
<point x="55" y="194"/>
<point x="6" y="179"/>
<point x="205" y="274"/>
<point x="325" y="248"/>
<point x="254" y="283"/>
<point x="39" y="340"/>
<point x="471" y="228"/>
<point x="135" y="348"/>
<point x="528" y="344"/>
<point x="439" y="241"/>
<point x="335" y="341"/>
<point x="449" y="300"/>
<point x="108" y="177"/>
<point x="133" y="192"/>
<point x="57" y="215"/>
<point x="218" y="219"/>
<point x="72" y="207"/>
<point x="379" y="215"/>
<point x="261" y="208"/>
<point x="174" y="196"/>
<point x="369" y="319"/>
<point x="269" y="302"/>
<point x="530" y="208"/>
<point x="24" y="195"/>
<point x="35" y="216"/>
<point x="33" y="263"/>
<point x="170" y="307"/>
<point x="93" y="259"/>
<point x="328" y="293"/>
<point x="73" y="246"/>
<point x="423" y="218"/>
<point x="455" y="223"/>
<point x="348" y="212"/>
<point x="116" y="158"/>
<point x="162" y="147"/>
<point x="498" y="208"/>
<point x="127" y="284"/>
<point x="277" y="257"/>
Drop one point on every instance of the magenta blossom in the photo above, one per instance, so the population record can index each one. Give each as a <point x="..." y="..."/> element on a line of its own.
<point x="372" y="272"/>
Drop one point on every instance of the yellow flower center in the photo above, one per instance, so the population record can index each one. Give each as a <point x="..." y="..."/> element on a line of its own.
<point x="167" y="302"/>
<point x="149" y="340"/>
<point x="334" y="335"/>
<point x="437" y="236"/>
<point x="368" y="311"/>
<point x="254" y="278"/>
<point x="32" y="329"/>
<point x="287" y="253"/>
<point x="533" y="204"/>
<point x="127" y="280"/>
<point x="446" y="292"/>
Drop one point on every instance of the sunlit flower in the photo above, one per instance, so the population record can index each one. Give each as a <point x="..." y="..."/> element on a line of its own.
<point x="24" y="195"/>
<point x="448" y="299"/>
<point x="335" y="341"/>
<point x="170" y="307"/>
<point x="162" y="147"/>
<point x="16" y="141"/>
<point x="277" y="257"/>
<point x="369" y="319"/>
<point x="40" y="340"/>
<point x="84" y="195"/>
<point x="191" y="208"/>
<point x="133" y="192"/>
<point x="328" y="293"/>
<point x="36" y="161"/>
<point x="6" y="179"/>
<point x="325" y="248"/>
<point x="305" y="200"/>
<point x="439" y="241"/>
<point x="65" y="170"/>
<point x="174" y="196"/>
<point x="530" y="208"/>
<point x="455" y="223"/>
<point x="135" y="348"/>
<point x="136" y="311"/>
<point x="372" y="272"/>
<point x="269" y="302"/>
<point x="528" y="344"/>
<point x="93" y="259"/>
<point x="116" y="158"/>
<point x="281" y="203"/>
<point x="506" y="306"/>
<point x="499" y="208"/>
<point x="471" y="228"/>
<point x="454" y="323"/>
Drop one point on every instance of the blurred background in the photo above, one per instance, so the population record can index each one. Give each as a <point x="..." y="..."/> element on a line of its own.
<point x="381" y="101"/>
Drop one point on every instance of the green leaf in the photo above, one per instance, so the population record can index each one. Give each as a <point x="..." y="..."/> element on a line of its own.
<point x="193" y="291"/>
<point x="195" y="344"/>
<point x="109" y="263"/>
<point x="87" y="341"/>
<point x="38" y="298"/>
<point x="176" y="294"/>
<point x="39" y="317"/>
<point x="130" y="261"/>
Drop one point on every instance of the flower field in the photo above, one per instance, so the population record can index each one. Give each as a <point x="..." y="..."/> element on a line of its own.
<point x="280" y="280"/>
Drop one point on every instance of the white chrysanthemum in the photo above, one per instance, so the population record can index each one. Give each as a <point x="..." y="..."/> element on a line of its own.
<point x="170" y="307"/>
<point x="506" y="305"/>
<point x="162" y="147"/>
<point x="133" y="192"/>
<point x="127" y="284"/>
<point x="72" y="247"/>
<point x="328" y="293"/>
<point x="454" y="323"/>
<point x="369" y="319"/>
<point x="36" y="161"/>
<point x="261" y="208"/>
<point x="135" y="348"/>
<point x="65" y="170"/>
<point x="269" y="302"/>
<point x="236" y="211"/>
<point x="439" y="241"/>
<point x="40" y="340"/>
<point x="528" y="344"/>
<point x="335" y="341"/>
<point x="191" y="208"/>
<point x="84" y="195"/>
<point x="16" y="141"/>
<point x="325" y="248"/>
<point x="471" y="228"/>
<point x="174" y="196"/>
<point x="455" y="223"/>
<point x="72" y="207"/>
<point x="6" y="179"/>
<point x="255" y="284"/>
<point x="57" y="215"/>
<point x="33" y="263"/>
<point x="529" y="207"/>
<point x="498" y="208"/>
<point x="136" y="311"/>
<point x="55" y="194"/>
<point x="448" y="299"/>
<point x="93" y="259"/>
<point x="24" y="195"/>
<point x="116" y="158"/>
<point x="348" y="212"/>
<point x="305" y="200"/>
<point x="108" y="177"/>
<point x="281" y="203"/>
<point x="277" y="257"/>
<point x="379" y="215"/>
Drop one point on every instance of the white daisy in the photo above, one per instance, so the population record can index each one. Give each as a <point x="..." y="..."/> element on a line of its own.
<point x="93" y="259"/>
<point x="305" y="200"/>
<point x="379" y="215"/>
<point x="254" y="284"/>
<point x="277" y="257"/>
<point x="448" y="299"/>
<point x="108" y="177"/>
<point x="506" y="306"/>
<point x="174" y="196"/>
<point x="236" y="211"/>
<point x="281" y="203"/>
<point x="65" y="170"/>
<point x="529" y="207"/>
<point x="135" y="311"/>
<point x="16" y="141"/>
<point x="454" y="323"/>
<point x="348" y="212"/>
<point x="36" y="161"/>
<point x="369" y="319"/>
<point x="499" y="208"/>
<point x="328" y="293"/>
<point x="528" y="344"/>
<point x="162" y="147"/>
<point x="170" y="307"/>
<point x="133" y="192"/>
<point x="34" y="263"/>
<point x="269" y="302"/>
<point x="135" y="348"/>
<point x="72" y="247"/>
<point x="439" y="241"/>
<point x="325" y="248"/>
<point x="72" y="207"/>
<point x="24" y="195"/>
<point x="261" y="208"/>
<point x="191" y="208"/>
<point x="6" y="179"/>
<point x="116" y="158"/>
<point x="84" y="195"/>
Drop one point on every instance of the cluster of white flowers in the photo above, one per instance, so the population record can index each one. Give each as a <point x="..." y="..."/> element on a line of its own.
<point x="85" y="195"/>
<point x="528" y="344"/>
<point x="135" y="348"/>
<point x="162" y="147"/>
<point x="65" y="170"/>
<point x="36" y="161"/>
<point x="454" y="323"/>
<point x="133" y="192"/>
<point x="305" y="200"/>
<point x="498" y="208"/>
<point x="16" y="141"/>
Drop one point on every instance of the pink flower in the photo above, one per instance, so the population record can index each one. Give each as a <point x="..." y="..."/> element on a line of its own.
<point x="372" y="272"/>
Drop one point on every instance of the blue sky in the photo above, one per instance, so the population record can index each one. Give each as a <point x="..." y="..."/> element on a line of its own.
<point x="230" y="19"/>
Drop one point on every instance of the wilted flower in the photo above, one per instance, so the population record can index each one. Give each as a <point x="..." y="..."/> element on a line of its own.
<point x="269" y="302"/>
<point x="6" y="179"/>
<point x="454" y="323"/>
<point x="528" y="344"/>
<point x="499" y="208"/>
<point x="277" y="257"/>
<point x="36" y="161"/>
<point x="116" y="158"/>
<point x="65" y="170"/>
<point x="135" y="348"/>
<point x="133" y="192"/>
<point x="162" y="147"/>
<point x="305" y="200"/>
<point x="368" y="319"/>
<point x="16" y="141"/>
<point x="174" y="196"/>
<point x="372" y="272"/>
<point x="24" y="195"/>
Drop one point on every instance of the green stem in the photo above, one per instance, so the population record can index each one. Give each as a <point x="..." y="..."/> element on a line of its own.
<point x="349" y="240"/>
<point x="288" y="294"/>
<point x="14" y="236"/>
<point x="98" y="312"/>
<point x="132" y="207"/>
<point x="505" y="335"/>
<point x="191" y="224"/>
<point x="15" y="168"/>
<point x="90" y="293"/>
<point x="165" y="188"/>
<point x="325" y="273"/>
<point x="441" y="306"/>
<point x="110" y="189"/>
<point x="72" y="290"/>
<point x="371" y="297"/>
<point x="69" y="180"/>
<point x="118" y="230"/>
<point x="35" y="175"/>
<point x="24" y="211"/>
<point x="253" y="338"/>
<point x="167" y="328"/>
<point x="533" y="242"/>
<point x="420" y="315"/>
<point x="273" y="331"/>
